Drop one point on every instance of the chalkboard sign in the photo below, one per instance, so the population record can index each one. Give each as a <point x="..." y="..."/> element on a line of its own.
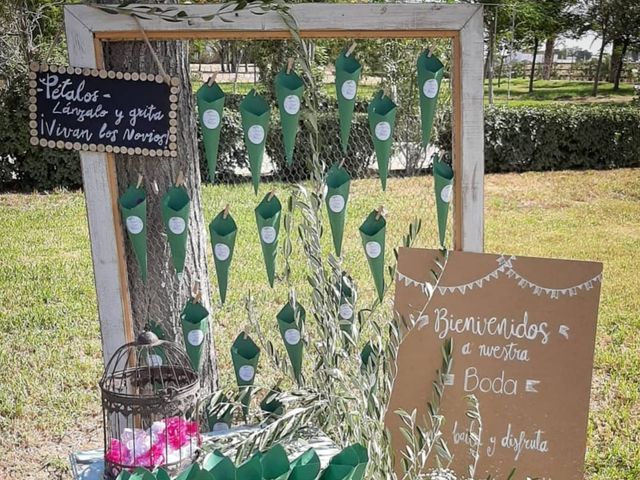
<point x="523" y="332"/>
<point x="98" y="110"/>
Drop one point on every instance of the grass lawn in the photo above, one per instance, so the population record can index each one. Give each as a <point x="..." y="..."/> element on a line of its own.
<point x="559" y="91"/>
<point x="50" y="358"/>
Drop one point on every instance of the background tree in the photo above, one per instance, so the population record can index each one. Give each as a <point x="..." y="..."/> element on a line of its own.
<point x="625" y="33"/>
<point x="164" y="295"/>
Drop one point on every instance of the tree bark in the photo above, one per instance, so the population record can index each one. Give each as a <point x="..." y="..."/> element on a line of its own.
<point x="533" y="64"/>
<point x="615" y="58"/>
<point x="164" y="295"/>
<point x="547" y="69"/>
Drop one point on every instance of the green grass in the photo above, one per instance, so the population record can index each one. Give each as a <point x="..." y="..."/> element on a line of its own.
<point x="559" y="91"/>
<point x="50" y="358"/>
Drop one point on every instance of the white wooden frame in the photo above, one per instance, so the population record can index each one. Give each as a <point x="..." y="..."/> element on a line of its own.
<point x="87" y="27"/>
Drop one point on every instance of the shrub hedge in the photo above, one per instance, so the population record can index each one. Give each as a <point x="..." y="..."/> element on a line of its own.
<point x="517" y="139"/>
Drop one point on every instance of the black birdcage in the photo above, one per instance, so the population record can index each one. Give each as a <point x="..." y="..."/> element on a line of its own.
<point x="149" y="407"/>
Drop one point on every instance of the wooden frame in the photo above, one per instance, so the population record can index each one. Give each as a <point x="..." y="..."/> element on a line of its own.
<point x="87" y="27"/>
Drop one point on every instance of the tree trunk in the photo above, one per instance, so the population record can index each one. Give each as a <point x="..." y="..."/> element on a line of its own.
<point x="164" y="295"/>
<point x="596" y="77"/>
<point x="616" y="54"/>
<point x="618" y="74"/>
<point x="500" y="70"/>
<point x="548" y="57"/>
<point x="533" y="64"/>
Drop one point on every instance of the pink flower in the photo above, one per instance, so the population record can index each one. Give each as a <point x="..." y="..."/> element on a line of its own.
<point x="117" y="452"/>
<point x="154" y="457"/>
<point x="178" y="431"/>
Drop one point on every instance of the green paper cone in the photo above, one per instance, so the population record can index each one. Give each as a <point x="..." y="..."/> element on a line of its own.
<point x="347" y="77"/>
<point x="346" y="309"/>
<point x="430" y="71"/>
<point x="133" y="207"/>
<point x="382" y="121"/>
<point x="175" y="216"/>
<point x="289" y="90"/>
<point x="443" y="183"/>
<point x="290" y="322"/>
<point x="268" y="220"/>
<point x="251" y="469"/>
<point x="142" y="474"/>
<point x="190" y="473"/>
<point x="195" y="326"/>
<point x="161" y="474"/>
<point x="220" y="466"/>
<point x="245" y="354"/>
<point x="353" y="459"/>
<point x="271" y="405"/>
<point x="275" y="464"/>
<point x="255" y="114"/>
<point x="338" y="183"/>
<point x="210" y="100"/>
<point x="220" y="416"/>
<point x="373" y="232"/>
<point x="337" y="472"/>
<point x="306" y="466"/>
<point x="124" y="475"/>
<point x="368" y="357"/>
<point x="223" y="240"/>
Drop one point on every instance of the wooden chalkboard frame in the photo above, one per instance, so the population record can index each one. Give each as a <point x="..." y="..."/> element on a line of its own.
<point x="87" y="27"/>
<point x="173" y="85"/>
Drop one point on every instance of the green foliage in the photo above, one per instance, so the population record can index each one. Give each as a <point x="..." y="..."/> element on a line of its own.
<point x="558" y="138"/>
<point x="22" y="165"/>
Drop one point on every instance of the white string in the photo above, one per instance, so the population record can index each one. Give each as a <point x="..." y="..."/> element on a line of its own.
<point x="505" y="268"/>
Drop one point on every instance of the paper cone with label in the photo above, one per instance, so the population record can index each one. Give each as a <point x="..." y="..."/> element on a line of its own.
<point x="219" y="414"/>
<point x="255" y="114"/>
<point x="219" y="465"/>
<point x="251" y="469"/>
<point x="175" y="216"/>
<point x="346" y="309"/>
<point x="195" y="327"/>
<point x="268" y="221"/>
<point x="275" y="464"/>
<point x="223" y="230"/>
<point x="271" y="405"/>
<point x="430" y="71"/>
<point x="244" y="355"/>
<point x="210" y="100"/>
<point x="306" y="466"/>
<point x="347" y="77"/>
<point x="382" y="121"/>
<point x="443" y="183"/>
<point x="338" y="184"/>
<point x="290" y="322"/>
<point x="289" y="91"/>
<point x="133" y="208"/>
<point x="372" y="232"/>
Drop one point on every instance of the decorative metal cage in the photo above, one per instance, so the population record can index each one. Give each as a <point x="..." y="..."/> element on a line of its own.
<point x="150" y="407"/>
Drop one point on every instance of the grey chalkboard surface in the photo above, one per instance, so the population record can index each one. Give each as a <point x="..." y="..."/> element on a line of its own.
<point x="99" y="110"/>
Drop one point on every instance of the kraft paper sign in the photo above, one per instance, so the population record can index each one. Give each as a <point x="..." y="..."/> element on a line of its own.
<point x="523" y="332"/>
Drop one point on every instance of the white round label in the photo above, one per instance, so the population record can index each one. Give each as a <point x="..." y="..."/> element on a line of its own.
<point x="383" y="131"/>
<point x="373" y="249"/>
<point x="445" y="193"/>
<point x="221" y="251"/>
<point x="195" y="337"/>
<point x="346" y="312"/>
<point x="349" y="89"/>
<point x="336" y="203"/>
<point x="220" y="427"/>
<point x="268" y="234"/>
<point x="155" y="360"/>
<point x="176" y="225"/>
<point x="256" y="134"/>
<point x="292" y="104"/>
<point x="134" y="224"/>
<point x="292" y="336"/>
<point x="246" y="373"/>
<point x="430" y="88"/>
<point x="211" y="119"/>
